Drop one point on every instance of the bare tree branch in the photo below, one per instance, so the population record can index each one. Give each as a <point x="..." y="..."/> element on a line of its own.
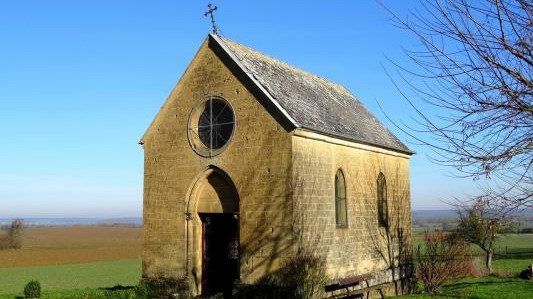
<point x="475" y="67"/>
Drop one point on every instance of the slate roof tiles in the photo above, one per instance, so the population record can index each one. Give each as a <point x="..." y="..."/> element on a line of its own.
<point x="312" y="102"/>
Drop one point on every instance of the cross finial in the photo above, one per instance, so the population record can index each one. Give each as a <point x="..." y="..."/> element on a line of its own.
<point x="211" y="11"/>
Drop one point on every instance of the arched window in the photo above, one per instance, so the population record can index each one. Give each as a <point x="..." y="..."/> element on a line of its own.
<point x="341" y="208"/>
<point x="382" y="200"/>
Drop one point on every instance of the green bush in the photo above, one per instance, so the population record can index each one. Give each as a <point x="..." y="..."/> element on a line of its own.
<point x="163" y="287"/>
<point x="32" y="289"/>
<point x="142" y="291"/>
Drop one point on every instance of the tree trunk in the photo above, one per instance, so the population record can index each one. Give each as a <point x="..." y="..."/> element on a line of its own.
<point x="488" y="261"/>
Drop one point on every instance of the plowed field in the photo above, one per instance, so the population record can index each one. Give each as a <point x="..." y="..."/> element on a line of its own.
<point x="73" y="245"/>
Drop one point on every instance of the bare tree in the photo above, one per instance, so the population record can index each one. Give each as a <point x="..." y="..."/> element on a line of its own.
<point x="479" y="225"/>
<point x="475" y="67"/>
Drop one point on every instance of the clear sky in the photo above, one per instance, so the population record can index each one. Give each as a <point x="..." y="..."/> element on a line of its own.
<point x="81" y="80"/>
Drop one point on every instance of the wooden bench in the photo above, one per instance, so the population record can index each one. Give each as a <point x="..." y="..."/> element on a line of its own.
<point x="345" y="288"/>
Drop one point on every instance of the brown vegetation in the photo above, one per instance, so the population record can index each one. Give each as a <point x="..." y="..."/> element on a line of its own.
<point x="78" y="244"/>
<point x="444" y="259"/>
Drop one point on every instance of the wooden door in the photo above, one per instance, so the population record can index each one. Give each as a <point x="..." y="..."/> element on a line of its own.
<point x="220" y="254"/>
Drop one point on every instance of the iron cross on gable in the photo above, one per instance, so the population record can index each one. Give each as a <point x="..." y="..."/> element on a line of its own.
<point x="211" y="11"/>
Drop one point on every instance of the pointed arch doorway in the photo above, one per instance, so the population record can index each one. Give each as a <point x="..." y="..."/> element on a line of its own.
<point x="214" y="208"/>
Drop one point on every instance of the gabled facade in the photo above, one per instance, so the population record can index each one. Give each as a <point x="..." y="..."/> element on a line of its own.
<point x="251" y="161"/>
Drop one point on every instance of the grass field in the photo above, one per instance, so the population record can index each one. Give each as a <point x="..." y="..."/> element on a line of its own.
<point x="75" y="276"/>
<point x="73" y="258"/>
<point x="72" y="261"/>
<point x="77" y="244"/>
<point x="78" y="294"/>
<point x="482" y="288"/>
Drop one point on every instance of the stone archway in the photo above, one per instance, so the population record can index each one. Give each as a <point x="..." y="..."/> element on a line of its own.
<point x="213" y="232"/>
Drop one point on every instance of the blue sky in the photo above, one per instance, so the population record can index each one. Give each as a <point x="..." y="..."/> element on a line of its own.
<point x="81" y="80"/>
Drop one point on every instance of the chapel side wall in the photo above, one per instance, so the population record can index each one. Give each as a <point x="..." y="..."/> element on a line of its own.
<point x="257" y="160"/>
<point x="362" y="247"/>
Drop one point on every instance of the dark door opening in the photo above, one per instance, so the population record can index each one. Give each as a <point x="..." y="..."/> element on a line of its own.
<point x="220" y="252"/>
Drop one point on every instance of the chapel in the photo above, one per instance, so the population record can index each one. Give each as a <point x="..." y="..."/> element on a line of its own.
<point x="251" y="161"/>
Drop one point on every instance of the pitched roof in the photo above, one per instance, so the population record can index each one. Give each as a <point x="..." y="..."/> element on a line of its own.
<point x="308" y="101"/>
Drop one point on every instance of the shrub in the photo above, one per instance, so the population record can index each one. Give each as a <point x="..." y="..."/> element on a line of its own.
<point x="14" y="233"/>
<point x="305" y="275"/>
<point x="302" y="276"/>
<point x="142" y="291"/>
<point x="13" y="238"/>
<point x="4" y="242"/>
<point x="32" y="289"/>
<point x="162" y="287"/>
<point x="444" y="259"/>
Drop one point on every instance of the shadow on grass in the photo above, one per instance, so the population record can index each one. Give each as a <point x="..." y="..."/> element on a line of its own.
<point x="462" y="285"/>
<point x="117" y="287"/>
<point x="514" y="255"/>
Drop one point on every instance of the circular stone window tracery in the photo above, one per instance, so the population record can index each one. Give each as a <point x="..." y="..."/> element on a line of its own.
<point x="211" y="126"/>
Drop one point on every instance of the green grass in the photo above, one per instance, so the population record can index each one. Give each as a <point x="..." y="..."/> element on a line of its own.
<point x="515" y="245"/>
<point x="483" y="288"/>
<point x="80" y="294"/>
<point x="511" y="267"/>
<point x="74" y="276"/>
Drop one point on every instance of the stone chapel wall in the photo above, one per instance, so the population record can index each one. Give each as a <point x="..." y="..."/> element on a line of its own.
<point x="362" y="247"/>
<point x="257" y="160"/>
